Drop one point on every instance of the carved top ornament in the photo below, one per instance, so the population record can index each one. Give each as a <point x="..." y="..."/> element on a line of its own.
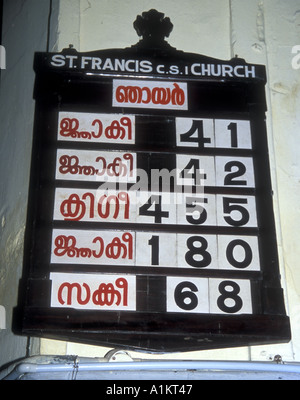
<point x="151" y="55"/>
<point x="153" y="26"/>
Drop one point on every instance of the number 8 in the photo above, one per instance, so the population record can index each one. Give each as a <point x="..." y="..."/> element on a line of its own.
<point x="195" y="251"/>
<point x="229" y="294"/>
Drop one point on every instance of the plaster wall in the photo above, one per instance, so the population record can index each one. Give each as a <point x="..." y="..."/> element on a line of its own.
<point x="260" y="31"/>
<point x="23" y="32"/>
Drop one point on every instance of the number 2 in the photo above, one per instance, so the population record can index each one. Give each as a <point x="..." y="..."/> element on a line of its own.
<point x="230" y="179"/>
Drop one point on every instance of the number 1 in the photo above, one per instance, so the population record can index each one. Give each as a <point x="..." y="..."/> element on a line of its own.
<point x="232" y="127"/>
<point x="154" y="243"/>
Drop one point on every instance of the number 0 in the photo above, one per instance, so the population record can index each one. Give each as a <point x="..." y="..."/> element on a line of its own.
<point x="248" y="253"/>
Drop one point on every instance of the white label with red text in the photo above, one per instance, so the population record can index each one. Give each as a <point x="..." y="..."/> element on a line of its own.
<point x="91" y="127"/>
<point x="92" y="247"/>
<point x="90" y="165"/>
<point x="93" y="291"/>
<point x="150" y="94"/>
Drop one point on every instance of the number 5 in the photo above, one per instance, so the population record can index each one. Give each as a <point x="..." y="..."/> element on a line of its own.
<point x="192" y="206"/>
<point x="233" y="204"/>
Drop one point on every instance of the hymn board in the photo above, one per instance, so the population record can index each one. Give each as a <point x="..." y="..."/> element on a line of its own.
<point x="150" y="220"/>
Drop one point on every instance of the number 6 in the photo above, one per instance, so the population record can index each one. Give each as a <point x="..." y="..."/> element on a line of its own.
<point x="181" y="295"/>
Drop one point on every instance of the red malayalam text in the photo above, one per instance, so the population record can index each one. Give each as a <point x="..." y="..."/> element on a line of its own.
<point x="75" y="208"/>
<point x="69" y="127"/>
<point x="66" y="245"/>
<point x="146" y="95"/>
<point x="105" y="295"/>
<point x="117" y="168"/>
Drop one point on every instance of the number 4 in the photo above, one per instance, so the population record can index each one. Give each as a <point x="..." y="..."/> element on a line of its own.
<point x="157" y="213"/>
<point x="198" y="138"/>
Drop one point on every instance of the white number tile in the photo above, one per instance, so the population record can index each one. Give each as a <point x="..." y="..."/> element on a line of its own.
<point x="232" y="212"/>
<point x="184" y="125"/>
<point x="197" y="251"/>
<point x="187" y="295"/>
<point x="154" y="247"/>
<point x="162" y="207"/>
<point x="196" y="207"/>
<point x="223" y="133"/>
<point x="239" y="253"/>
<point x="233" y="298"/>
<point x="242" y="166"/>
<point x="206" y="173"/>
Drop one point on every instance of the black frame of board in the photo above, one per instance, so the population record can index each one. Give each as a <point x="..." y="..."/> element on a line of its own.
<point x="65" y="83"/>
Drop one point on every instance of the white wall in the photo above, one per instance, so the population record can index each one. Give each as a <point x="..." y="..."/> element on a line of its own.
<point x="261" y="31"/>
<point x="24" y="32"/>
